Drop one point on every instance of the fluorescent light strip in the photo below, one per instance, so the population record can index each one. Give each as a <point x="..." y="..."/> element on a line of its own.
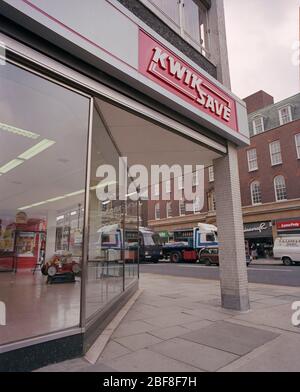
<point x="74" y="193"/>
<point x="37" y="204"/>
<point x="92" y="188"/>
<point x="51" y="200"/>
<point x="55" y="199"/>
<point x="18" y="131"/>
<point x="64" y="196"/>
<point x="10" y="165"/>
<point x="37" y="149"/>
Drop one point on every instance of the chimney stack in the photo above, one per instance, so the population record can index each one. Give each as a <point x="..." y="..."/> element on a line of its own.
<point x="258" y="100"/>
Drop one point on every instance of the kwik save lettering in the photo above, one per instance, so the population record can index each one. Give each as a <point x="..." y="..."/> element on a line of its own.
<point x="180" y="77"/>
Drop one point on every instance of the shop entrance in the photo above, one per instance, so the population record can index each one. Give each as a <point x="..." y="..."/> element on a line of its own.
<point x="261" y="248"/>
<point x="259" y="239"/>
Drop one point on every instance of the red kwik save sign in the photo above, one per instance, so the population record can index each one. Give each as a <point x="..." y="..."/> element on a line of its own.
<point x="175" y="75"/>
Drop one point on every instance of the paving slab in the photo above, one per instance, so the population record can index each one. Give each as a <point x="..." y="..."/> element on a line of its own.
<point x="136" y="342"/>
<point x="233" y="338"/>
<point x="174" y="295"/>
<point x="208" y="314"/>
<point x="169" y="320"/>
<point x="289" y="298"/>
<point x="274" y="301"/>
<point x="281" y="355"/>
<point x="197" y="324"/>
<point x="113" y="350"/>
<point x="146" y="360"/>
<point x="197" y="355"/>
<point x="274" y="316"/>
<point x="132" y="328"/>
<point x="170" y="332"/>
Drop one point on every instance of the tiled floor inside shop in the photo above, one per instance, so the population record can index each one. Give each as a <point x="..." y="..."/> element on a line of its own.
<point x="34" y="307"/>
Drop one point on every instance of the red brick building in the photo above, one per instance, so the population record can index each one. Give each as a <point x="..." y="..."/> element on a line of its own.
<point x="269" y="177"/>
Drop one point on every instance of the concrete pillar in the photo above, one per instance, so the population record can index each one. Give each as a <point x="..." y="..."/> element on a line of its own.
<point x="51" y="234"/>
<point x="233" y="269"/>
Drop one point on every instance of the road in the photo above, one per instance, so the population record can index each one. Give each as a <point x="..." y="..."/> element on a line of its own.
<point x="266" y="274"/>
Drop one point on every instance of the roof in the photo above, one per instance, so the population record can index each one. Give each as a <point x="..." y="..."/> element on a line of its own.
<point x="271" y="115"/>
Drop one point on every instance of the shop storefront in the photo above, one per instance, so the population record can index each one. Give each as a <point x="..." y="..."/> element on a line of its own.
<point x="288" y="226"/>
<point x="259" y="238"/>
<point x="71" y="105"/>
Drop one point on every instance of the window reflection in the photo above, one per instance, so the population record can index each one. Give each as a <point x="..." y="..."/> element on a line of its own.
<point x="112" y="244"/>
<point x="42" y="181"/>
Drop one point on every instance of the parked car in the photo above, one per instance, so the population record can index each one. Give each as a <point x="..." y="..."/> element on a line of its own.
<point x="210" y="256"/>
<point x="287" y="249"/>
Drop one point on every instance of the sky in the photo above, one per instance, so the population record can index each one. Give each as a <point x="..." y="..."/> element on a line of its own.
<point x="260" y="38"/>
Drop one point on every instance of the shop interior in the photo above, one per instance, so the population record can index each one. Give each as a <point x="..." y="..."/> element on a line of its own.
<point x="43" y="167"/>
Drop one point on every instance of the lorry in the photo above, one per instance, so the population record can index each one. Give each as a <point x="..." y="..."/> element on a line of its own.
<point x="287" y="249"/>
<point x="144" y="244"/>
<point x="189" y="243"/>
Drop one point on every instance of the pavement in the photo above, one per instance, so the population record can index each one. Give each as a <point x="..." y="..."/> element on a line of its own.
<point x="178" y="325"/>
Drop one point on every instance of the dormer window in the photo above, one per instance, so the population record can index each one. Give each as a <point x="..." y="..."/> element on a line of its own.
<point x="258" y="125"/>
<point x="285" y="115"/>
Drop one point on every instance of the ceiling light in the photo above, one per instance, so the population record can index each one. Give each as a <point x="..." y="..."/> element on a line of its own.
<point x="55" y="199"/>
<point x="24" y="208"/>
<point x="32" y="205"/>
<point x="38" y="204"/>
<point x="38" y="148"/>
<point x="102" y="185"/>
<point x="73" y="213"/>
<point x="18" y="131"/>
<point x="75" y="193"/>
<point x="10" y="165"/>
<point x="51" y="200"/>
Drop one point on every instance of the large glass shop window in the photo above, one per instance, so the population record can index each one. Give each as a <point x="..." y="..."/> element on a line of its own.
<point x="43" y="144"/>
<point x="113" y="225"/>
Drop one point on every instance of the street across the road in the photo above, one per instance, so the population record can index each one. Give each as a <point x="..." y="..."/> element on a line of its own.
<point x="267" y="274"/>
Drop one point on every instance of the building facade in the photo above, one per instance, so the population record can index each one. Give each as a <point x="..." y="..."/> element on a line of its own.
<point x="89" y="89"/>
<point x="269" y="176"/>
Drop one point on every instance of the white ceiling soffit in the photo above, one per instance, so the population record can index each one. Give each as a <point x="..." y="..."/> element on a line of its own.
<point x="146" y="143"/>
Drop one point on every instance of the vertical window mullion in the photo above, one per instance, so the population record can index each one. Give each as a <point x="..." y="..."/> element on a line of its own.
<point x="180" y="4"/>
<point x="297" y="142"/>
